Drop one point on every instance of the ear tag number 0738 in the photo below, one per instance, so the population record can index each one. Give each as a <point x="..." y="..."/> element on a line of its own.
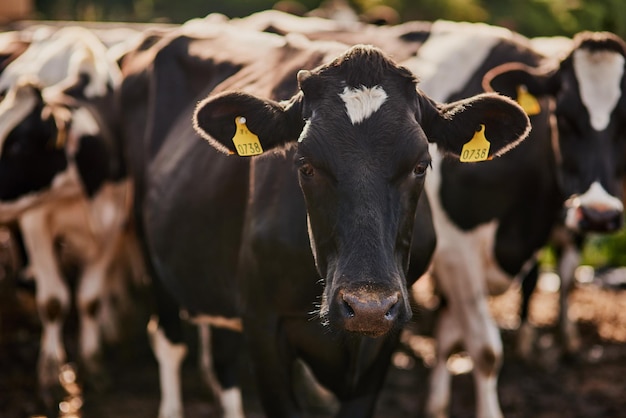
<point x="477" y="149"/>
<point x="246" y="143"/>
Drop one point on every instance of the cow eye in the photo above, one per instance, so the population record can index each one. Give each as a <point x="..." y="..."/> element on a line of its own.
<point x="420" y="168"/>
<point x="305" y="168"/>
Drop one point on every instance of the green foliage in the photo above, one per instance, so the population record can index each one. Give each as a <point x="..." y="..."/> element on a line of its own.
<point x="606" y="250"/>
<point x="529" y="17"/>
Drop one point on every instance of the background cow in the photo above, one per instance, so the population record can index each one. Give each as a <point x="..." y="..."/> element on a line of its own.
<point x="489" y="229"/>
<point x="585" y="68"/>
<point x="62" y="178"/>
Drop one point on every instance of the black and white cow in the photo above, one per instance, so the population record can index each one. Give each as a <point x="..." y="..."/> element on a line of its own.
<point x="589" y="83"/>
<point x="492" y="218"/>
<point x="61" y="177"/>
<point x="356" y="131"/>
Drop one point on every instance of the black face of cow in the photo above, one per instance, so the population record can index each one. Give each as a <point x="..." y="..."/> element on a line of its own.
<point x="361" y="170"/>
<point x="30" y="156"/>
<point x="362" y="130"/>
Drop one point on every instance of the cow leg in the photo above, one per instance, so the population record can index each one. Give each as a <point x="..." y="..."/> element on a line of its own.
<point x="166" y="339"/>
<point x="226" y="349"/>
<point x="52" y="296"/>
<point x="526" y="333"/>
<point x="448" y="335"/>
<point x="569" y="260"/>
<point x="206" y="359"/>
<point x="272" y="366"/>
<point x="461" y="278"/>
<point x="91" y="294"/>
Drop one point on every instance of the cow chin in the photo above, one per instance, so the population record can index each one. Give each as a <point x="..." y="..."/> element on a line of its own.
<point x="366" y="308"/>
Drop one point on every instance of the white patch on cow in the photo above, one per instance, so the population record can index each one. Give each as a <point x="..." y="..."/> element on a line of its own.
<point x="599" y="76"/>
<point x="109" y="208"/>
<point x="363" y="102"/>
<point x="17" y="105"/>
<point x="83" y="123"/>
<point x="232" y="403"/>
<point x="170" y="358"/>
<point x="451" y="54"/>
<point x="465" y="269"/>
<point x="58" y="59"/>
<point x="595" y="197"/>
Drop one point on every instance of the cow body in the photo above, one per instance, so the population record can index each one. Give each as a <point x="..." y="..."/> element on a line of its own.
<point x="63" y="179"/>
<point x="275" y="285"/>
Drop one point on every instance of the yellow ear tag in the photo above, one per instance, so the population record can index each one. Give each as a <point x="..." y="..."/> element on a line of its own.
<point x="477" y="149"/>
<point x="527" y="101"/>
<point x="246" y="143"/>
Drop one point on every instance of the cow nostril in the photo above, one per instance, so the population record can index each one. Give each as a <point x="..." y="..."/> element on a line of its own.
<point x="347" y="309"/>
<point x="392" y="313"/>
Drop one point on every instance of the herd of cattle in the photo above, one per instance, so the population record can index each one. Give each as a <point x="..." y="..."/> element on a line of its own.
<point x="451" y="148"/>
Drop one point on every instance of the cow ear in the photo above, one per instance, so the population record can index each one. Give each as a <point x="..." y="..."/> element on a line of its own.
<point x="218" y="119"/>
<point x="501" y="120"/>
<point x="508" y="78"/>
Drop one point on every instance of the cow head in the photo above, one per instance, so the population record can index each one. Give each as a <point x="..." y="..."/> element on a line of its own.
<point x="589" y="124"/>
<point x="361" y="128"/>
<point x="48" y="149"/>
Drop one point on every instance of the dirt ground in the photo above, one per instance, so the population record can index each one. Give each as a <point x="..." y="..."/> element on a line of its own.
<point x="592" y="385"/>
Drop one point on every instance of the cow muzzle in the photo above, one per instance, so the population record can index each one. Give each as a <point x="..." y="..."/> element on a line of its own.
<point x="594" y="220"/>
<point x="594" y="211"/>
<point x="368" y="310"/>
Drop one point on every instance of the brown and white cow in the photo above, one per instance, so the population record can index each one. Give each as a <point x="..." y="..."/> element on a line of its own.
<point x="61" y="177"/>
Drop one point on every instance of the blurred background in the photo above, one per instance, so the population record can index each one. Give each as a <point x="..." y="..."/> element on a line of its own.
<point x="528" y="17"/>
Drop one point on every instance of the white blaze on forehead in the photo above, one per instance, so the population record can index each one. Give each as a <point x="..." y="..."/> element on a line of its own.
<point x="362" y="102"/>
<point x="17" y="104"/>
<point x="599" y="76"/>
<point x="451" y="55"/>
